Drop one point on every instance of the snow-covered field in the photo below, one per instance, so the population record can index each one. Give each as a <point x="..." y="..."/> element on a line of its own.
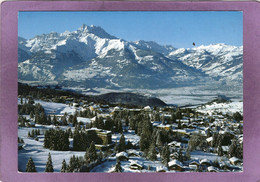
<point x="39" y="154"/>
<point x="130" y="135"/>
<point x="56" y="108"/>
<point x="225" y="108"/>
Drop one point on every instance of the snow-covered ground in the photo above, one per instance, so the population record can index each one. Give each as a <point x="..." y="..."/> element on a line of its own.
<point x="109" y="165"/>
<point x="35" y="149"/>
<point x="131" y="136"/>
<point x="39" y="154"/>
<point x="205" y="155"/>
<point x="56" y="108"/>
<point x="225" y="108"/>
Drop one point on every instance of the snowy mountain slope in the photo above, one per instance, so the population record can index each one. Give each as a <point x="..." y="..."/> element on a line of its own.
<point x="90" y="57"/>
<point x="220" y="61"/>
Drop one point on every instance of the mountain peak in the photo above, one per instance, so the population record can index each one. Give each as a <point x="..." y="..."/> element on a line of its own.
<point x="96" y="30"/>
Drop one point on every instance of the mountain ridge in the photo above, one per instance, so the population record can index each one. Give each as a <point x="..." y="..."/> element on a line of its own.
<point x="90" y="57"/>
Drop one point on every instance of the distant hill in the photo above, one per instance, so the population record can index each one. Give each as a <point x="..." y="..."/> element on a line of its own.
<point x="109" y="98"/>
<point x="131" y="99"/>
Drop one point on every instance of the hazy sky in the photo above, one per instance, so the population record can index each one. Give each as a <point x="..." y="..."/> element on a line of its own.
<point x="176" y="28"/>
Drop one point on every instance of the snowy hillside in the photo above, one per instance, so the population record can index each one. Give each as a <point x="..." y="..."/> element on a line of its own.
<point x="219" y="61"/>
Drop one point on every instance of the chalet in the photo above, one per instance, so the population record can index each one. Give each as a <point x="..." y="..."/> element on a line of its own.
<point x="156" y="123"/>
<point x="179" y="131"/>
<point x="164" y="127"/>
<point x="161" y="169"/>
<point x="116" y="109"/>
<point x="212" y="169"/>
<point x="133" y="153"/>
<point x="122" y="156"/>
<point x="94" y="107"/>
<point x="175" y="144"/>
<point x="30" y="124"/>
<point x="193" y="167"/>
<point x="225" y="149"/>
<point x="195" y="162"/>
<point x="174" y="155"/>
<point x="75" y="105"/>
<point x="235" y="161"/>
<point x="205" y="162"/>
<point x="147" y="109"/>
<point x="175" y="165"/>
<point x="136" y="165"/>
<point x="99" y="136"/>
<point x="93" y="119"/>
<point x="224" y="164"/>
<point x="209" y="140"/>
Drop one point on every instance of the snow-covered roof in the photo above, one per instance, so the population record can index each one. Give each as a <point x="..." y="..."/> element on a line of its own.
<point x="205" y="161"/>
<point x="212" y="169"/>
<point x="116" y="108"/>
<point x="161" y="168"/>
<point x="131" y="151"/>
<point x="93" y="129"/>
<point x="179" y="131"/>
<point x="147" y="108"/>
<point x="175" y="162"/>
<point x="122" y="154"/>
<point x="195" y="161"/>
<point x="84" y="120"/>
<point x="93" y="119"/>
<point x="193" y="166"/>
<point x="234" y="159"/>
<point x="175" y="143"/>
<point x="224" y="163"/>
<point x="136" y="163"/>
<point x="225" y="148"/>
<point x="209" y="139"/>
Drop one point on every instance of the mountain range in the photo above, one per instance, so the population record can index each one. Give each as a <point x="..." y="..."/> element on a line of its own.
<point x="90" y="57"/>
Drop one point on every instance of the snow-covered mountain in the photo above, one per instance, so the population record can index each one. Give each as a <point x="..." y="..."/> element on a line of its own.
<point x="219" y="61"/>
<point x="90" y="57"/>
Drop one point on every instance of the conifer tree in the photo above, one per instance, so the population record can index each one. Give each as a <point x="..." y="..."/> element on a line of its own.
<point x="159" y="142"/>
<point x="91" y="154"/>
<point x="31" y="114"/>
<point x="233" y="149"/>
<point x="220" y="151"/>
<point x="152" y="152"/>
<point x="72" y="164"/>
<point x="29" y="134"/>
<point x="119" y="126"/>
<point x="129" y="145"/>
<point x="165" y="155"/>
<point x="48" y="120"/>
<point x="118" y="167"/>
<point x="30" y="166"/>
<point x="49" y="166"/>
<point x="180" y="156"/>
<point x="54" y="120"/>
<point x="64" y="166"/>
<point x="122" y="143"/>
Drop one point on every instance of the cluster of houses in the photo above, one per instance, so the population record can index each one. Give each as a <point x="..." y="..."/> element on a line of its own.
<point x="189" y="124"/>
<point x="194" y="165"/>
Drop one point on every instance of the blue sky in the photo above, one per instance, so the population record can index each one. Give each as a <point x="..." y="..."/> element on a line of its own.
<point x="176" y="28"/>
